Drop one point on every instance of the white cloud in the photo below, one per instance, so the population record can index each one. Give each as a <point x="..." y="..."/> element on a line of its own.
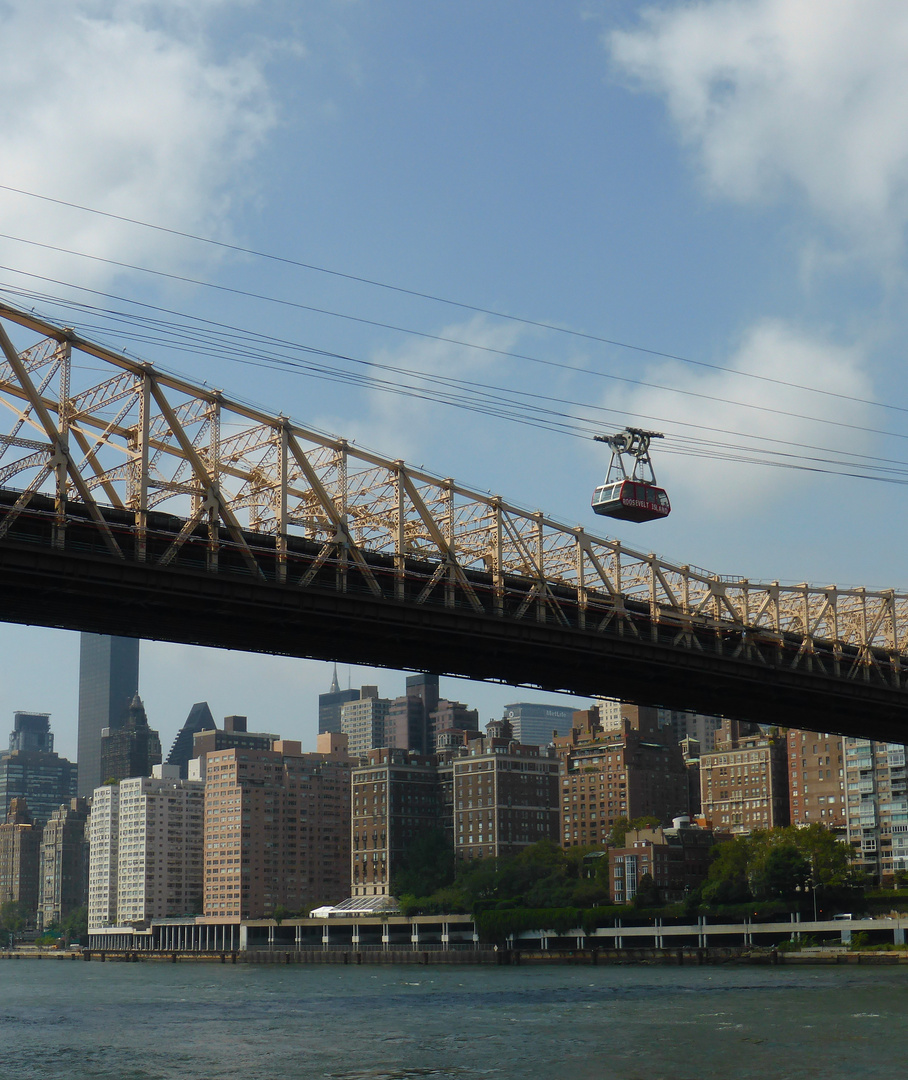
<point x="123" y="106"/>
<point x="771" y="349"/>
<point x="423" y="430"/>
<point x="781" y="94"/>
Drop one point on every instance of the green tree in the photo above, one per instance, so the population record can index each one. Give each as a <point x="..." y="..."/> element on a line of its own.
<point x="623" y="825"/>
<point x="647" y="894"/>
<point x="75" y="925"/>
<point x="781" y="871"/>
<point x="727" y="882"/>
<point x="11" y="918"/>
<point x="427" y="865"/>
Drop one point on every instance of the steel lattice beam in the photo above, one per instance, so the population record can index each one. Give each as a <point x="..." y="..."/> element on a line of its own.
<point x="241" y="487"/>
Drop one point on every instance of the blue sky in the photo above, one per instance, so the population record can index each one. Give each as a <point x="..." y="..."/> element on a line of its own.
<point x="723" y="181"/>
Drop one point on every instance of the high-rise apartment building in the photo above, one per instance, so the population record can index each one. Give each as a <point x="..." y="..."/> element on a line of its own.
<point x="233" y="736"/>
<point x="64" y="862"/>
<point x="395" y="800"/>
<point x="633" y="768"/>
<point x="108" y="681"/>
<point x="816" y="779"/>
<point x="329" y="706"/>
<point x="744" y="782"/>
<point x="277" y="828"/>
<point x="104" y="844"/>
<point x="505" y="795"/>
<point x="31" y="770"/>
<point x="877" y="808"/>
<point x="451" y="716"/>
<point x="692" y="725"/>
<point x="20" y="860"/>
<point x="535" y="723"/>
<point x="182" y="751"/>
<point x="482" y="796"/>
<point x="159" y="854"/>
<point x="364" y="721"/>
<point x="131" y="749"/>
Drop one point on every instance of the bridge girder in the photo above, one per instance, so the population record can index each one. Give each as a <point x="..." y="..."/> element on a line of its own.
<point x="138" y="443"/>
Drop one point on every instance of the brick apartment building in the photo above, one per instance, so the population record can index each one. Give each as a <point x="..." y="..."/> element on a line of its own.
<point x="816" y="779"/>
<point x="486" y="794"/>
<point x="744" y="781"/>
<point x="395" y="799"/>
<point x="628" y="769"/>
<point x="677" y="859"/>
<point x="504" y="794"/>
<point x="277" y="828"/>
<point x="20" y="860"/>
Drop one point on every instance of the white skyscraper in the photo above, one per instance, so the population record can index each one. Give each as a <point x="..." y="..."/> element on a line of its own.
<point x="104" y="836"/>
<point x="159" y="869"/>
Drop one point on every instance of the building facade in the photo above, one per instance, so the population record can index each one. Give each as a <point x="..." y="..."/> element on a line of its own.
<point x="329" y="706"/>
<point x="64" y="863"/>
<point x="536" y="723"/>
<point x="103" y="849"/>
<point x="31" y="769"/>
<point x="877" y="808"/>
<point x="364" y="721"/>
<point x="182" y="751"/>
<point x="677" y="859"/>
<point x="631" y="769"/>
<point x="816" y="779"/>
<point x="131" y="749"/>
<point x="159" y="853"/>
<point x="277" y="829"/>
<point x="233" y="736"/>
<point x="692" y="725"/>
<point x="20" y="861"/>
<point x="108" y="681"/>
<point x="744" y="782"/>
<point x="395" y="799"/>
<point x="505" y="795"/>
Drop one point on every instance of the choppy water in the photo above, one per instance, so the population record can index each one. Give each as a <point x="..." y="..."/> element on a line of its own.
<point x="157" y="1021"/>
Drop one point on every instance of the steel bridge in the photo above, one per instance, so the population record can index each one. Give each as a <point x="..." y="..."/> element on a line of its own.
<point x="133" y="502"/>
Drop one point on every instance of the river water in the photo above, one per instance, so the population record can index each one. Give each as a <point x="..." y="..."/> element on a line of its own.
<point x="158" y="1021"/>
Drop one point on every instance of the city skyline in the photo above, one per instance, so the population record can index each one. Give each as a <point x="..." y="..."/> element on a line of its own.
<point x="281" y="696"/>
<point x="593" y="175"/>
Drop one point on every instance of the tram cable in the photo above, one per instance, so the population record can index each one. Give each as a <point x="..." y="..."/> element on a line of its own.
<point x="475" y="308"/>
<point x="210" y="339"/>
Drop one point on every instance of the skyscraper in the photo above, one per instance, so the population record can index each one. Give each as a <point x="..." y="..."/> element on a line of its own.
<point x="329" y="706"/>
<point x="31" y="770"/>
<point x="63" y="884"/>
<point x="277" y="829"/>
<point x="181" y="753"/>
<point x="132" y="749"/>
<point x="108" y="681"/>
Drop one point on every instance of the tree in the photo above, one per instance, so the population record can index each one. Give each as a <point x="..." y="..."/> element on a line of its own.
<point x="647" y="894"/>
<point x="727" y="881"/>
<point x="780" y="873"/>
<point x="75" y="925"/>
<point x="11" y="918"/>
<point x="427" y="865"/>
<point x="623" y="826"/>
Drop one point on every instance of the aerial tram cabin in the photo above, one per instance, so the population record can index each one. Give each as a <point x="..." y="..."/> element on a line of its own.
<point x="634" y="495"/>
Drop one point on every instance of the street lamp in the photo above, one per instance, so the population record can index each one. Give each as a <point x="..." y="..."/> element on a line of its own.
<point x="809" y="883"/>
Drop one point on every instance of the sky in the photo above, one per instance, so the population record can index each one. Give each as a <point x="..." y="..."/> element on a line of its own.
<point x="689" y="217"/>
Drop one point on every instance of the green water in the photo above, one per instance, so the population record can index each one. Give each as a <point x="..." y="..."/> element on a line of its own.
<point x="157" y="1021"/>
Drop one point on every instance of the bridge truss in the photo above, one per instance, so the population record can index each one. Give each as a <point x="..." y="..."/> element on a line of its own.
<point x="103" y="454"/>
